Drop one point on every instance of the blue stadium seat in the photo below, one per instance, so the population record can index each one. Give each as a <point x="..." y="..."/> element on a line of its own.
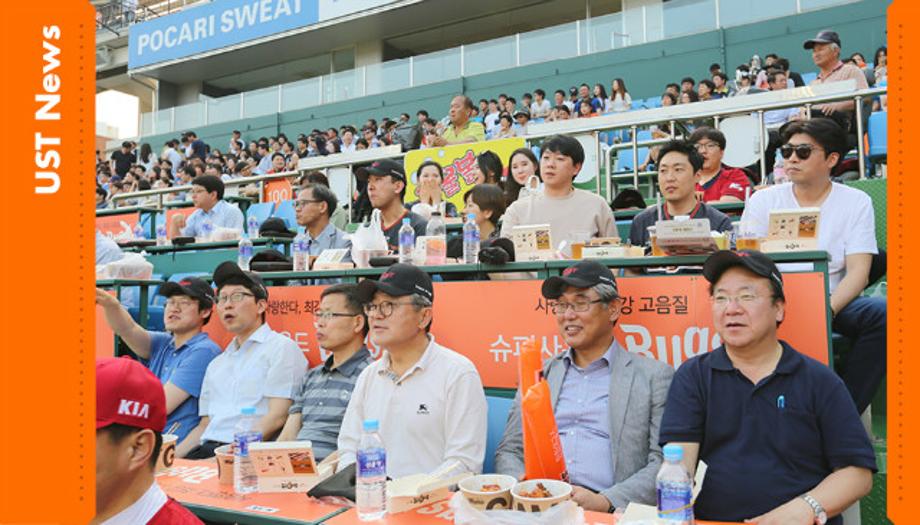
<point x="145" y="224"/>
<point x="499" y="407"/>
<point x="285" y="210"/>
<point x="653" y="102"/>
<point x="260" y="210"/>
<point x="625" y="159"/>
<point x="878" y="134"/>
<point x="808" y="77"/>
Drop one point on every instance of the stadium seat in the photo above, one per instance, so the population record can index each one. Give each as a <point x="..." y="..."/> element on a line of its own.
<point x="623" y="227"/>
<point x="499" y="407"/>
<point x="653" y="102"/>
<point x="260" y="210"/>
<point x="285" y="210"/>
<point x="878" y="134"/>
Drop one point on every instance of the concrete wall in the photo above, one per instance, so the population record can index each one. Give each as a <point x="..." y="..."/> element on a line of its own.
<point x="646" y="69"/>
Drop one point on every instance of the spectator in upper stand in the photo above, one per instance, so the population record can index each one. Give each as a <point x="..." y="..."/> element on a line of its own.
<point x="197" y="146"/>
<point x="572" y="100"/>
<point x="332" y="135"/>
<point x="560" y="100"/>
<point x="422" y="116"/>
<point x="370" y="135"/>
<point x="488" y="168"/>
<point x="171" y="154"/>
<point x="881" y="65"/>
<point x="428" y="187"/>
<point x="586" y="109"/>
<point x="775" y="118"/>
<point x="783" y="63"/>
<point x="483" y="107"/>
<point x="179" y="355"/>
<point x="668" y="99"/>
<point x="302" y="149"/>
<point x="673" y="89"/>
<point x="265" y="159"/>
<point x="562" y="112"/>
<point x="540" y="107"/>
<point x="146" y="157"/>
<point x="122" y="159"/>
<point x="460" y="130"/>
<point x="522" y="118"/>
<point x="526" y="101"/>
<point x="490" y="120"/>
<point x="101" y="196"/>
<point x="348" y="140"/>
<point x="386" y="189"/>
<point x="207" y="196"/>
<point x="689" y="97"/>
<point x="679" y="166"/>
<point x="236" y="143"/>
<point x="812" y="148"/>
<point x="510" y="105"/>
<point x="744" y="83"/>
<point x="502" y="99"/>
<point x="278" y="163"/>
<point x="706" y="90"/>
<point x="825" y="52"/>
<point x="259" y="368"/>
<point x="212" y="170"/>
<point x="404" y="118"/>
<point x="314" y="206"/>
<point x="720" y="83"/>
<point x="565" y="208"/>
<point x="322" y="397"/>
<point x="687" y="84"/>
<point x="505" y="128"/>
<point x="584" y="92"/>
<point x="718" y="182"/>
<point x="599" y="100"/>
<point x="619" y="96"/>
<point x="522" y="165"/>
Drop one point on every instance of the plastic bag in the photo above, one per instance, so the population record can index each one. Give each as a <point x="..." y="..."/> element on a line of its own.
<point x="131" y="266"/>
<point x="368" y="241"/>
<point x="225" y="234"/>
<point x="565" y="513"/>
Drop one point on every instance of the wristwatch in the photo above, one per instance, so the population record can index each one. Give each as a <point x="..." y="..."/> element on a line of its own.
<point x="820" y="513"/>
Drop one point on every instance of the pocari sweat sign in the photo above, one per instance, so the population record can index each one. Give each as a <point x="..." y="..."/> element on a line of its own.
<point x="213" y="26"/>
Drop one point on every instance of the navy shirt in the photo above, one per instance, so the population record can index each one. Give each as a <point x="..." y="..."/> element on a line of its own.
<point x="768" y="443"/>
<point x="184" y="367"/>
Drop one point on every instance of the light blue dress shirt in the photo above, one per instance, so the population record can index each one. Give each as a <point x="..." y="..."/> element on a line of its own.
<point x="223" y="214"/>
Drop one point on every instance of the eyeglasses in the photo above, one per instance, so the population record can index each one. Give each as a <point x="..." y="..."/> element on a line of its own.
<point x="712" y="146"/>
<point x="233" y="298"/>
<point x="559" y="307"/>
<point x="745" y="299"/>
<point x="181" y="304"/>
<point x="802" y="151"/>
<point x="303" y="202"/>
<point x="325" y="317"/>
<point x="384" y="309"/>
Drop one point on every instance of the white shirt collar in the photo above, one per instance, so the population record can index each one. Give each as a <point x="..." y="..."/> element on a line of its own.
<point x="142" y="510"/>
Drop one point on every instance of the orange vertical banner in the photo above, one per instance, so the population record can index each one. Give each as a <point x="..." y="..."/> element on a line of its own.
<point x="47" y="356"/>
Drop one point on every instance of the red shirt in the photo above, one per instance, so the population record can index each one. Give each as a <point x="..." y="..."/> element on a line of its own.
<point x="173" y="513"/>
<point x="729" y="181"/>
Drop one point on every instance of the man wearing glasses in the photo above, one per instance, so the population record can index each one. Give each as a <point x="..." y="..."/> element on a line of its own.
<point x="718" y="182"/>
<point x="607" y="401"/>
<point x="429" y="399"/>
<point x="314" y="207"/>
<point x="320" y="401"/>
<point x="207" y="195"/>
<point x="846" y="231"/>
<point x="180" y="355"/>
<point x="780" y="435"/>
<point x="260" y="368"/>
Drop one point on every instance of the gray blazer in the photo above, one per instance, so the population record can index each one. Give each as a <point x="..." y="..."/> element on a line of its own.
<point x="638" y="390"/>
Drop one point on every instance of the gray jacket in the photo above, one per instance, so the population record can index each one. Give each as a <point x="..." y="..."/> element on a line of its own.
<point x="638" y="390"/>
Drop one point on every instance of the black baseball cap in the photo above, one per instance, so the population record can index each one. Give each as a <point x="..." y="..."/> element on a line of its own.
<point x="192" y="287"/>
<point x="753" y="260"/>
<point x="228" y="272"/>
<point x="382" y="167"/>
<point x="823" y="37"/>
<point x="584" y="274"/>
<point x="398" y="280"/>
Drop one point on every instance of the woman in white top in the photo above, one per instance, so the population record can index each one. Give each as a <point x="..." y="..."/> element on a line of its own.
<point x="619" y="97"/>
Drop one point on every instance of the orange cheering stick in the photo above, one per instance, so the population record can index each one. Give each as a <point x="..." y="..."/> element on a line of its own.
<point x="543" y="458"/>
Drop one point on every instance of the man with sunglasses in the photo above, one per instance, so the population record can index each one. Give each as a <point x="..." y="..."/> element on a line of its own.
<point x="429" y="399"/>
<point x="259" y="368"/>
<point x="780" y="435"/>
<point x="179" y="356"/>
<point x="846" y="231"/>
<point x="607" y="401"/>
<point x="321" y="400"/>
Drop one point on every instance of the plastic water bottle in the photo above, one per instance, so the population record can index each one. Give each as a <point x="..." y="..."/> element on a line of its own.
<point x="245" y="432"/>
<point x="437" y="251"/>
<point x="406" y="242"/>
<point x="675" y="489"/>
<point x="371" y="474"/>
<point x="252" y="227"/>
<point x="245" y="253"/>
<point x="139" y="232"/>
<point x="161" y="235"/>
<point x="470" y="240"/>
<point x="207" y="230"/>
<point x="300" y="252"/>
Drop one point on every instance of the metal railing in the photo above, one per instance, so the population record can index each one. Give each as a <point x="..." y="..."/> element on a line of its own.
<point x="117" y="15"/>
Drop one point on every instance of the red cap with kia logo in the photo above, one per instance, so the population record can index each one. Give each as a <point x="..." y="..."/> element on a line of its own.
<point x="127" y="393"/>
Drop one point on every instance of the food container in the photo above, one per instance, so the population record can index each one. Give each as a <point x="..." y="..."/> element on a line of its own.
<point x="559" y="491"/>
<point x="224" y="456"/>
<point x="477" y="492"/>
<point x="167" y="452"/>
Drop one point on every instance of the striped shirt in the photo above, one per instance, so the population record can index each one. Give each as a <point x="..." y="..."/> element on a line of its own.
<point x="322" y="399"/>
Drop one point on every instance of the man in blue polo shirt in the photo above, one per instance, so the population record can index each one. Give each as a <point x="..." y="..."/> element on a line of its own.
<point x="179" y="356"/>
<point x="778" y="430"/>
<point x="212" y="211"/>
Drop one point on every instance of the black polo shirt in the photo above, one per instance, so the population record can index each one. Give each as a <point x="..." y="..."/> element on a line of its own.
<point x="768" y="443"/>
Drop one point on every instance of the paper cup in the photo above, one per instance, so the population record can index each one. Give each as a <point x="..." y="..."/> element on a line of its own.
<point x="560" y="491"/>
<point x="224" y="455"/>
<point x="167" y="452"/>
<point x="471" y="488"/>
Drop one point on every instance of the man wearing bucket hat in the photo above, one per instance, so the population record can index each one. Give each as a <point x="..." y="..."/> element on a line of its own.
<point x="130" y="411"/>
<point x="386" y="189"/>
<point x="428" y="399"/>
<point x="260" y="368"/>
<point x="607" y="402"/>
<point x="778" y="430"/>
<point x="180" y="355"/>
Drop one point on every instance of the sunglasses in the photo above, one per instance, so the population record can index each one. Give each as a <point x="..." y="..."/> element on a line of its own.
<point x="802" y="151"/>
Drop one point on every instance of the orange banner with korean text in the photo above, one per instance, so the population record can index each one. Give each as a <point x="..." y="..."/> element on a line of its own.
<point x="665" y="318"/>
<point x="458" y="163"/>
<point x="115" y="225"/>
<point x="277" y="191"/>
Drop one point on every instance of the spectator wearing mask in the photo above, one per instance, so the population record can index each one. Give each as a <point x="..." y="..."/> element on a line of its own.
<point x="718" y="182"/>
